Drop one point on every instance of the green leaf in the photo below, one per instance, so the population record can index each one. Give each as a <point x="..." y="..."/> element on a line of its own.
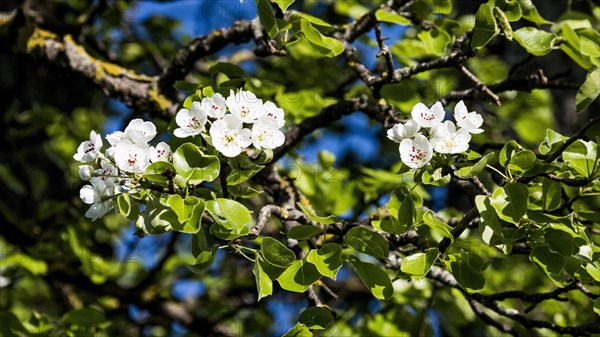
<point x="232" y="219"/>
<point x="326" y="46"/>
<point x="402" y="207"/>
<point x="283" y="4"/>
<point x="552" y="141"/>
<point x="303" y="232"/>
<point x="559" y="241"/>
<point x="436" y="40"/>
<point x="438" y="226"/>
<point x="242" y="169"/>
<point x="522" y="161"/>
<point x="276" y="253"/>
<point x="589" y="90"/>
<point x="597" y="305"/>
<point x="327" y="259"/>
<point x="84" y="317"/>
<point x="367" y="241"/>
<point x="383" y="15"/>
<point x="550" y="262"/>
<point x="158" y="217"/>
<point x="510" y="202"/>
<point x="328" y="220"/>
<point x="582" y="157"/>
<point x="232" y="71"/>
<point x="316" y="318"/>
<point x="376" y="280"/>
<point x="511" y="9"/>
<point x="204" y="260"/>
<point x="391" y="226"/>
<point x="508" y="151"/>
<point x="267" y="17"/>
<point x="264" y="285"/>
<point x="466" y="272"/>
<point x="436" y="178"/>
<point x="551" y="194"/>
<point x="189" y="212"/>
<point x="418" y="265"/>
<point x="157" y="172"/>
<point x="299" y="276"/>
<point x="185" y="86"/>
<point x="126" y="208"/>
<point x="472" y="171"/>
<point x="537" y="42"/>
<point x="490" y="227"/>
<point x="486" y="27"/>
<point x="193" y="165"/>
<point x="299" y="330"/>
<point x="531" y="13"/>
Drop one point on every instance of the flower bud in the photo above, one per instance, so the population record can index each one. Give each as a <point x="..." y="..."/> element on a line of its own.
<point x="86" y="172"/>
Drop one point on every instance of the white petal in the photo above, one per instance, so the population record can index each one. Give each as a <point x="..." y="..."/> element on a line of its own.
<point x="86" y="172"/>
<point x="460" y="110"/>
<point x="245" y="138"/>
<point x="98" y="210"/>
<point x="183" y="117"/>
<point x="88" y="194"/>
<point x="276" y="140"/>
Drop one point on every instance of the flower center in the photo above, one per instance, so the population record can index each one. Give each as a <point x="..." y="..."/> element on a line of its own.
<point x="90" y="147"/>
<point x="416" y="155"/>
<point x="194" y="123"/>
<point x="427" y="116"/>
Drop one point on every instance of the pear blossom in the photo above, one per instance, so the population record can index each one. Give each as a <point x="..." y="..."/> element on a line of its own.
<point x="428" y="117"/>
<point x="190" y="121"/>
<point x="132" y="157"/>
<point x="88" y="150"/>
<point x="274" y="112"/>
<point x="401" y="131"/>
<point x="162" y="152"/>
<point x="229" y="136"/>
<point x="139" y="131"/>
<point x="470" y="121"/>
<point x="446" y="139"/>
<point x="245" y="105"/>
<point x="415" y="153"/>
<point x="97" y="194"/>
<point x="266" y="133"/>
<point x="214" y="106"/>
<point x="106" y="173"/>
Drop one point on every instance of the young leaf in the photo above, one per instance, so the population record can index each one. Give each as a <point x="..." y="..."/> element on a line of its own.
<point x="232" y="219"/>
<point x="267" y="17"/>
<point x="195" y="166"/>
<point x="486" y="27"/>
<point x="437" y="225"/>
<point x="204" y="260"/>
<point x="283" y="4"/>
<point x="537" y="42"/>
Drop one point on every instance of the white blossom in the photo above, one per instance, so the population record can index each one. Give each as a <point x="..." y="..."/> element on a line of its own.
<point x="401" y="131"/>
<point x="88" y="150"/>
<point x="162" y="152"/>
<point x="274" y="112"/>
<point x="97" y="194"/>
<point x="131" y="157"/>
<point x="244" y="105"/>
<point x="106" y="173"/>
<point x="266" y="133"/>
<point x="428" y="117"/>
<point x="190" y="121"/>
<point x="446" y="139"/>
<point x="139" y="132"/>
<point x="229" y="137"/>
<point x="470" y="121"/>
<point x="415" y="153"/>
<point x="214" y="106"/>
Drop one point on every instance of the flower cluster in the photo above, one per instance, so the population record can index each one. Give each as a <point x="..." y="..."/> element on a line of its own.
<point x="238" y="121"/>
<point x="416" y="150"/>
<point x="108" y="173"/>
